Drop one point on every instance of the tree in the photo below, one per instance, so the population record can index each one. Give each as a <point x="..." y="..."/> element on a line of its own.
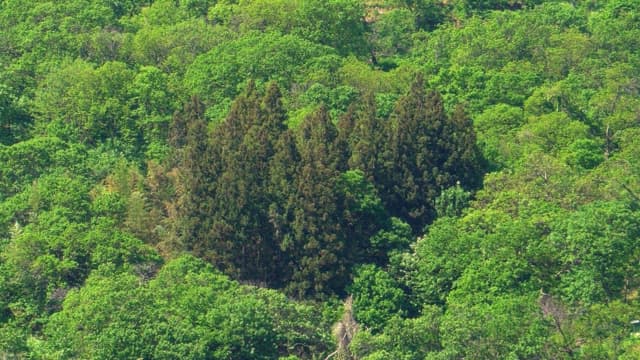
<point x="393" y="239"/>
<point x="14" y="120"/>
<point x="196" y="171"/>
<point x="507" y="326"/>
<point x="258" y="149"/>
<point x="255" y="55"/>
<point x="232" y="189"/>
<point x="497" y="127"/>
<point x="402" y="338"/>
<point x="428" y="13"/>
<point x="346" y="125"/>
<point x="376" y="298"/>
<point x="24" y="162"/>
<point x="464" y="162"/>
<point x="367" y="141"/>
<point x="452" y="201"/>
<point x="317" y="250"/>
<point x="416" y="156"/>
<point x="391" y="35"/>
<point x="411" y="162"/>
<point x="338" y="23"/>
<point x="248" y="140"/>
<point x="439" y="259"/>
<point x="152" y="104"/>
<point x="600" y="251"/>
<point x="98" y="319"/>
<point x="426" y="151"/>
<point x="363" y="215"/>
<point x="187" y="311"/>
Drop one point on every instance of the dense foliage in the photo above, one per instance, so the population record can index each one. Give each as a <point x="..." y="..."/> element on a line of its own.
<point x="260" y="179"/>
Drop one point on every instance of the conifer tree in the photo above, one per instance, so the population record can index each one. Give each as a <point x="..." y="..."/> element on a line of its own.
<point x="259" y="142"/>
<point x="426" y="152"/>
<point x="441" y="135"/>
<point x="410" y="165"/>
<point x="227" y="237"/>
<point x="247" y="140"/>
<point x="316" y="251"/>
<point x="283" y="171"/>
<point x="364" y="214"/>
<point x="178" y="130"/>
<point x="194" y="177"/>
<point x="465" y="160"/>
<point x="259" y="250"/>
<point x="346" y="125"/>
<point x="274" y="116"/>
<point x="367" y="140"/>
<point x="179" y="127"/>
<point x="244" y="113"/>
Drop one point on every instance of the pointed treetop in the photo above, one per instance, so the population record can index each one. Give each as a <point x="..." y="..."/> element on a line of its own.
<point x="273" y="94"/>
<point x="250" y="89"/>
<point x="347" y="121"/>
<point x="194" y="109"/>
<point x="435" y="105"/>
<point x="274" y="112"/>
<point x="318" y="125"/>
<point x="418" y="83"/>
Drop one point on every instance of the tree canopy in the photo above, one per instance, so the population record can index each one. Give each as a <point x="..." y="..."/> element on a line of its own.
<point x="354" y="179"/>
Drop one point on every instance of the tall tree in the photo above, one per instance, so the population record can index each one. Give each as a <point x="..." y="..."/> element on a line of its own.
<point x="317" y="248"/>
<point x="367" y="140"/>
<point x="244" y="113"/>
<point x="465" y="162"/>
<point x="346" y="125"/>
<point x="410" y="165"/>
<point x="426" y="152"/>
<point x="179" y="127"/>
<point x="258" y="250"/>
<point x="241" y="236"/>
<point x="232" y="190"/>
<point x="283" y="170"/>
<point x="194" y="178"/>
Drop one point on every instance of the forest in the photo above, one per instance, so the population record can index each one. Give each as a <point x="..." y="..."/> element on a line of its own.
<point x="320" y="179"/>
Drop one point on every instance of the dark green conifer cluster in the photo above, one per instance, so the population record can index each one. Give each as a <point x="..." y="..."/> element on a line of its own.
<point x="272" y="205"/>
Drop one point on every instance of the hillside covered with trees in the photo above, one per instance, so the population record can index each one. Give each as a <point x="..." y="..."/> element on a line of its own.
<point x="319" y="179"/>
